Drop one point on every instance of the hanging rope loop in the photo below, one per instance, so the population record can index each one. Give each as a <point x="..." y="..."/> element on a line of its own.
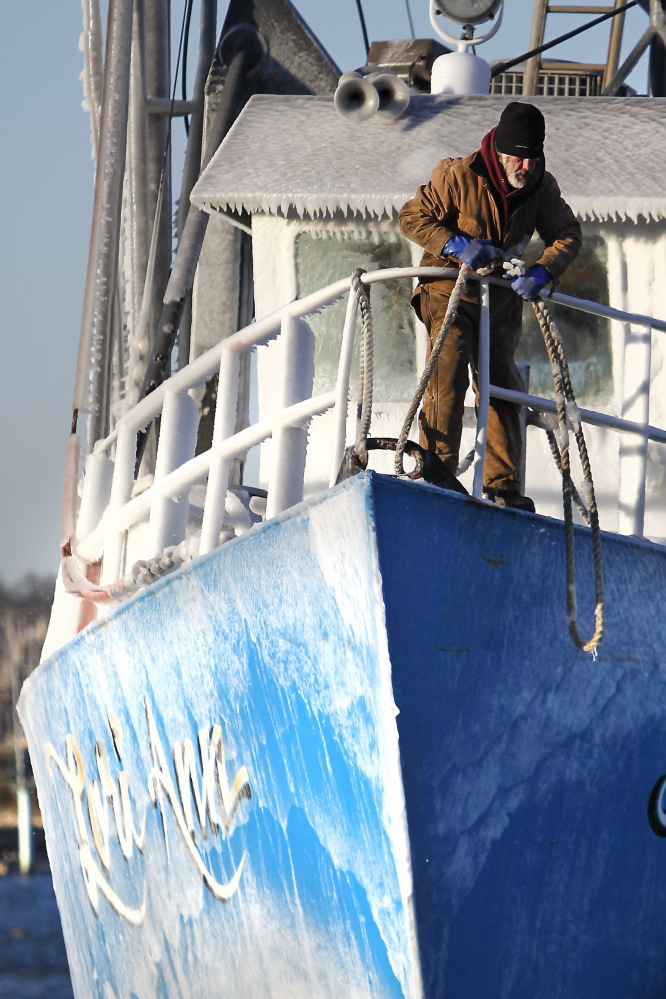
<point x="569" y="418"/>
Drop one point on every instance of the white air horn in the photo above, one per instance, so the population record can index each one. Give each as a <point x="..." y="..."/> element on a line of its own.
<point x="393" y="93"/>
<point x="355" y="98"/>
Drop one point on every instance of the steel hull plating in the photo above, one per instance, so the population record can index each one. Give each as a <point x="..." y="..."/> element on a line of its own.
<point x="235" y="806"/>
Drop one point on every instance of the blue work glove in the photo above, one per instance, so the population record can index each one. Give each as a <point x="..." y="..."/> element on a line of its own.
<point x="529" y="284"/>
<point x="473" y="252"/>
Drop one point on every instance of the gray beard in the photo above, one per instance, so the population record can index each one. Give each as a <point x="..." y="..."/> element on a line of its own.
<point x="511" y="175"/>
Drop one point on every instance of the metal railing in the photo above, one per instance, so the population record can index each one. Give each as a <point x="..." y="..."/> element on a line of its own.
<point x="108" y="510"/>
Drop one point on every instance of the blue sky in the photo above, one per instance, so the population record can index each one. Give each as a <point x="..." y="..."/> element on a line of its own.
<point x="46" y="188"/>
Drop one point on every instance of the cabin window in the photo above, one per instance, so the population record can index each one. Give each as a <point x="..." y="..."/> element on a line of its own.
<point x="587" y="339"/>
<point x="322" y="258"/>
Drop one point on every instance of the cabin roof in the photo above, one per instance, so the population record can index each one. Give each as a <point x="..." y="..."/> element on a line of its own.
<point x="287" y="155"/>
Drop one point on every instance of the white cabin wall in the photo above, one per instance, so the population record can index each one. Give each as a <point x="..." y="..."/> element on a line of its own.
<point x="637" y="283"/>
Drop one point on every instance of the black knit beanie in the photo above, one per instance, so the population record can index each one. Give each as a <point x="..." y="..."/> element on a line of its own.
<point x="520" y="131"/>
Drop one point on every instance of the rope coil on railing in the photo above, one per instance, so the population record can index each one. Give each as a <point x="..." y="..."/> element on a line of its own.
<point x="143" y="573"/>
<point x="567" y="415"/>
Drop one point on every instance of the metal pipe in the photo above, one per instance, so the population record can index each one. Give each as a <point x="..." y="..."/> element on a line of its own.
<point x="223" y="428"/>
<point x="483" y="388"/>
<point x="629" y="63"/>
<point x="633" y="455"/>
<point x="194" y="148"/>
<point x="193" y="151"/>
<point x="614" y="46"/>
<point x="96" y="323"/>
<point x="291" y="440"/>
<point x="167" y="106"/>
<point x="91" y="39"/>
<point x="178" y="435"/>
<point x="342" y="386"/>
<point x="155" y="24"/>
<point x="189" y="247"/>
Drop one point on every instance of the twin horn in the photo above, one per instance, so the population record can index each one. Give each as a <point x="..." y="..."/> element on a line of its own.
<point x="358" y="98"/>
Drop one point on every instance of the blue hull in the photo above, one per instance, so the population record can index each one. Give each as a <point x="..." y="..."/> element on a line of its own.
<point x="235" y="807"/>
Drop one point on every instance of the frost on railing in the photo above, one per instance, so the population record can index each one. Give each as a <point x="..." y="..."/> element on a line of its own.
<point x="126" y="536"/>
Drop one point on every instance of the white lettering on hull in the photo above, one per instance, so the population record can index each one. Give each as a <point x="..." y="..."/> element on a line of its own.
<point x="197" y="794"/>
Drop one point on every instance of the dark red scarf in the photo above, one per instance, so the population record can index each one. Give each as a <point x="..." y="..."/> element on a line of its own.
<point x="507" y="197"/>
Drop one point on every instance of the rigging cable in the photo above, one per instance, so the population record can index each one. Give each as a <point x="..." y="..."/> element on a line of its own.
<point x="409" y="18"/>
<point x="181" y="44"/>
<point x="359" y="7"/>
<point x="188" y="22"/>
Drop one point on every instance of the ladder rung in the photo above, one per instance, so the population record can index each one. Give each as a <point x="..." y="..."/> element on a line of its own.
<point x="574" y="68"/>
<point x="577" y="9"/>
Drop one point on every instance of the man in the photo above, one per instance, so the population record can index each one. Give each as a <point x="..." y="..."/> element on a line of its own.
<point x="472" y="209"/>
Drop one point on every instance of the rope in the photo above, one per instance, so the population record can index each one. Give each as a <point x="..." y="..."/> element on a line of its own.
<point x="366" y="367"/>
<point x="567" y="415"/>
<point x="451" y="312"/>
<point x="143" y="573"/>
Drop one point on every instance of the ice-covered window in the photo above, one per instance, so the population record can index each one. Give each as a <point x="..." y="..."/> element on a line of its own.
<point x="324" y="256"/>
<point x="587" y="339"/>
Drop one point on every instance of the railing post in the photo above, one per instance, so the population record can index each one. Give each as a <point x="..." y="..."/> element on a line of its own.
<point x="226" y="412"/>
<point x="483" y="383"/>
<point x="342" y="386"/>
<point x="95" y="492"/>
<point x="524" y="372"/>
<point x="290" y="442"/>
<point x="121" y="490"/>
<point x="633" y="450"/>
<point x="178" y="434"/>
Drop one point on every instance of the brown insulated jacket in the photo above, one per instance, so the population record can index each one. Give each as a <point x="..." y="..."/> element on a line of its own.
<point x="458" y="200"/>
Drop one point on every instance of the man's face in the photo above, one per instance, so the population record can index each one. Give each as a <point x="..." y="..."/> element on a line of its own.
<point x="517" y="170"/>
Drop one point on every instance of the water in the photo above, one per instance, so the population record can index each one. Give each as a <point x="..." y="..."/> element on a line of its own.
<point x="33" y="963"/>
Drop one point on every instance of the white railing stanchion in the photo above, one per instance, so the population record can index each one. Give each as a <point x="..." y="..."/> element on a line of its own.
<point x="178" y="435"/>
<point x="121" y="490"/>
<point x="226" y="414"/>
<point x="483" y="381"/>
<point x="342" y="386"/>
<point x="633" y="452"/>
<point x="95" y="492"/>
<point x="286" y="486"/>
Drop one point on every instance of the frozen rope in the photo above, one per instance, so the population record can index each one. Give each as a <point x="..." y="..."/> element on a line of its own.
<point x="143" y="573"/>
<point x="366" y="368"/>
<point x="451" y="312"/>
<point x="567" y="414"/>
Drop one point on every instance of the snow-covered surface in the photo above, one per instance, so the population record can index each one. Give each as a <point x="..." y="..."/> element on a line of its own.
<point x="297" y="154"/>
<point x="271" y="655"/>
